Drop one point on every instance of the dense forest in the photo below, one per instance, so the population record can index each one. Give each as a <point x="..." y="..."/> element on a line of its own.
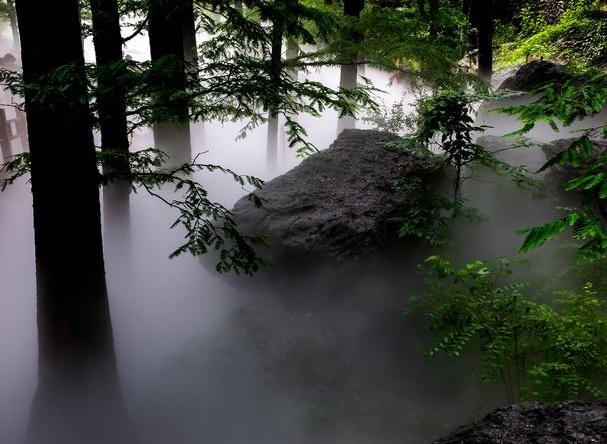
<point x="303" y="221"/>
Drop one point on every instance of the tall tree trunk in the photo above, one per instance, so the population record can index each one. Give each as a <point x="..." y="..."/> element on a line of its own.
<point x="12" y="16"/>
<point x="348" y="75"/>
<point x="190" y="48"/>
<point x="485" y="39"/>
<point x="111" y="99"/>
<point x="472" y="11"/>
<point x="433" y="18"/>
<point x="78" y="397"/>
<point x="353" y="8"/>
<point x="165" y="29"/>
<point x="278" y="29"/>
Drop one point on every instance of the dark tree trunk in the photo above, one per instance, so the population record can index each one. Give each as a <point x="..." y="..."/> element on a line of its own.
<point x="78" y="396"/>
<point x="433" y="18"/>
<point x="353" y="8"/>
<point x="12" y="15"/>
<point x="111" y="98"/>
<point x="190" y="49"/>
<point x="472" y="11"/>
<point x="485" y="39"/>
<point x="172" y="130"/>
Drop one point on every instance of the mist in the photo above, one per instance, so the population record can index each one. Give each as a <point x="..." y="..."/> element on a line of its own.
<point x="309" y="354"/>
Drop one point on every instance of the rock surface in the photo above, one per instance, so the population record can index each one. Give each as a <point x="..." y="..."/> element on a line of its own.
<point x="570" y="422"/>
<point x="533" y="75"/>
<point x="337" y="204"/>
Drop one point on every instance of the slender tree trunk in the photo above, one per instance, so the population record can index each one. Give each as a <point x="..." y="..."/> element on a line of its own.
<point x="353" y="8"/>
<point x="166" y="46"/>
<point x="111" y="99"/>
<point x="348" y="75"/>
<point x="78" y="397"/>
<point x="485" y="39"/>
<point x="190" y="48"/>
<point x="472" y="11"/>
<point x="238" y="5"/>
<point x="12" y="15"/>
<point x="433" y="18"/>
<point x="278" y="28"/>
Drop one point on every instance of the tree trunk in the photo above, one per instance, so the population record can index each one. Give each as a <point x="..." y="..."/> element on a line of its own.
<point x="433" y="18"/>
<point x="278" y="29"/>
<point x="485" y="39"/>
<point x="78" y="397"/>
<point x="353" y="8"/>
<point x="472" y="11"/>
<point x="172" y="129"/>
<point x="12" y="15"/>
<point x="190" y="48"/>
<point x="111" y="99"/>
<point x="349" y="73"/>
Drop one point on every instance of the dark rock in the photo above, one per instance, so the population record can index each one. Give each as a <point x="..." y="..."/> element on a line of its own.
<point x="337" y="204"/>
<point x="534" y="75"/>
<point x="569" y="422"/>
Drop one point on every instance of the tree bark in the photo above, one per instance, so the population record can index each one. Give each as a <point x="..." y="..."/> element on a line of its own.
<point x="172" y="129"/>
<point x="472" y="11"/>
<point x="190" y="48"/>
<point x="433" y="18"/>
<point x="353" y="8"/>
<point x="111" y="99"/>
<point x="12" y="16"/>
<point x="278" y="29"/>
<point x="485" y="39"/>
<point x="78" y="397"/>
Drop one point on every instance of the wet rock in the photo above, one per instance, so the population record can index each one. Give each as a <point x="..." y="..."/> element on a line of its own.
<point x="534" y="75"/>
<point x="337" y="204"/>
<point x="570" y="422"/>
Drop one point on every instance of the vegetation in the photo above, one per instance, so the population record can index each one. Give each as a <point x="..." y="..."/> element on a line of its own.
<point x="542" y="342"/>
<point x="538" y="351"/>
<point x="577" y="36"/>
<point x="582" y="96"/>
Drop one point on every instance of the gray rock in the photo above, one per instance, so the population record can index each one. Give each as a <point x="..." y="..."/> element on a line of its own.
<point x="337" y="204"/>
<point x="569" y="422"/>
<point x="534" y="75"/>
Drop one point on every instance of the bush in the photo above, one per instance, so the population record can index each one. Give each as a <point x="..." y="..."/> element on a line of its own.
<point x="540" y="351"/>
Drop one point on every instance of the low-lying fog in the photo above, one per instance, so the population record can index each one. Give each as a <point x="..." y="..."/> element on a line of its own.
<point x="204" y="361"/>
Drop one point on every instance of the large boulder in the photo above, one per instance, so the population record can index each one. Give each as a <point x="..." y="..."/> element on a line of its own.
<point x="337" y="204"/>
<point x="534" y="75"/>
<point x="570" y="422"/>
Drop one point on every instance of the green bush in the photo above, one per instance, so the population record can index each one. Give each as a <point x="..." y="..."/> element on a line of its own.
<point x="540" y="351"/>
